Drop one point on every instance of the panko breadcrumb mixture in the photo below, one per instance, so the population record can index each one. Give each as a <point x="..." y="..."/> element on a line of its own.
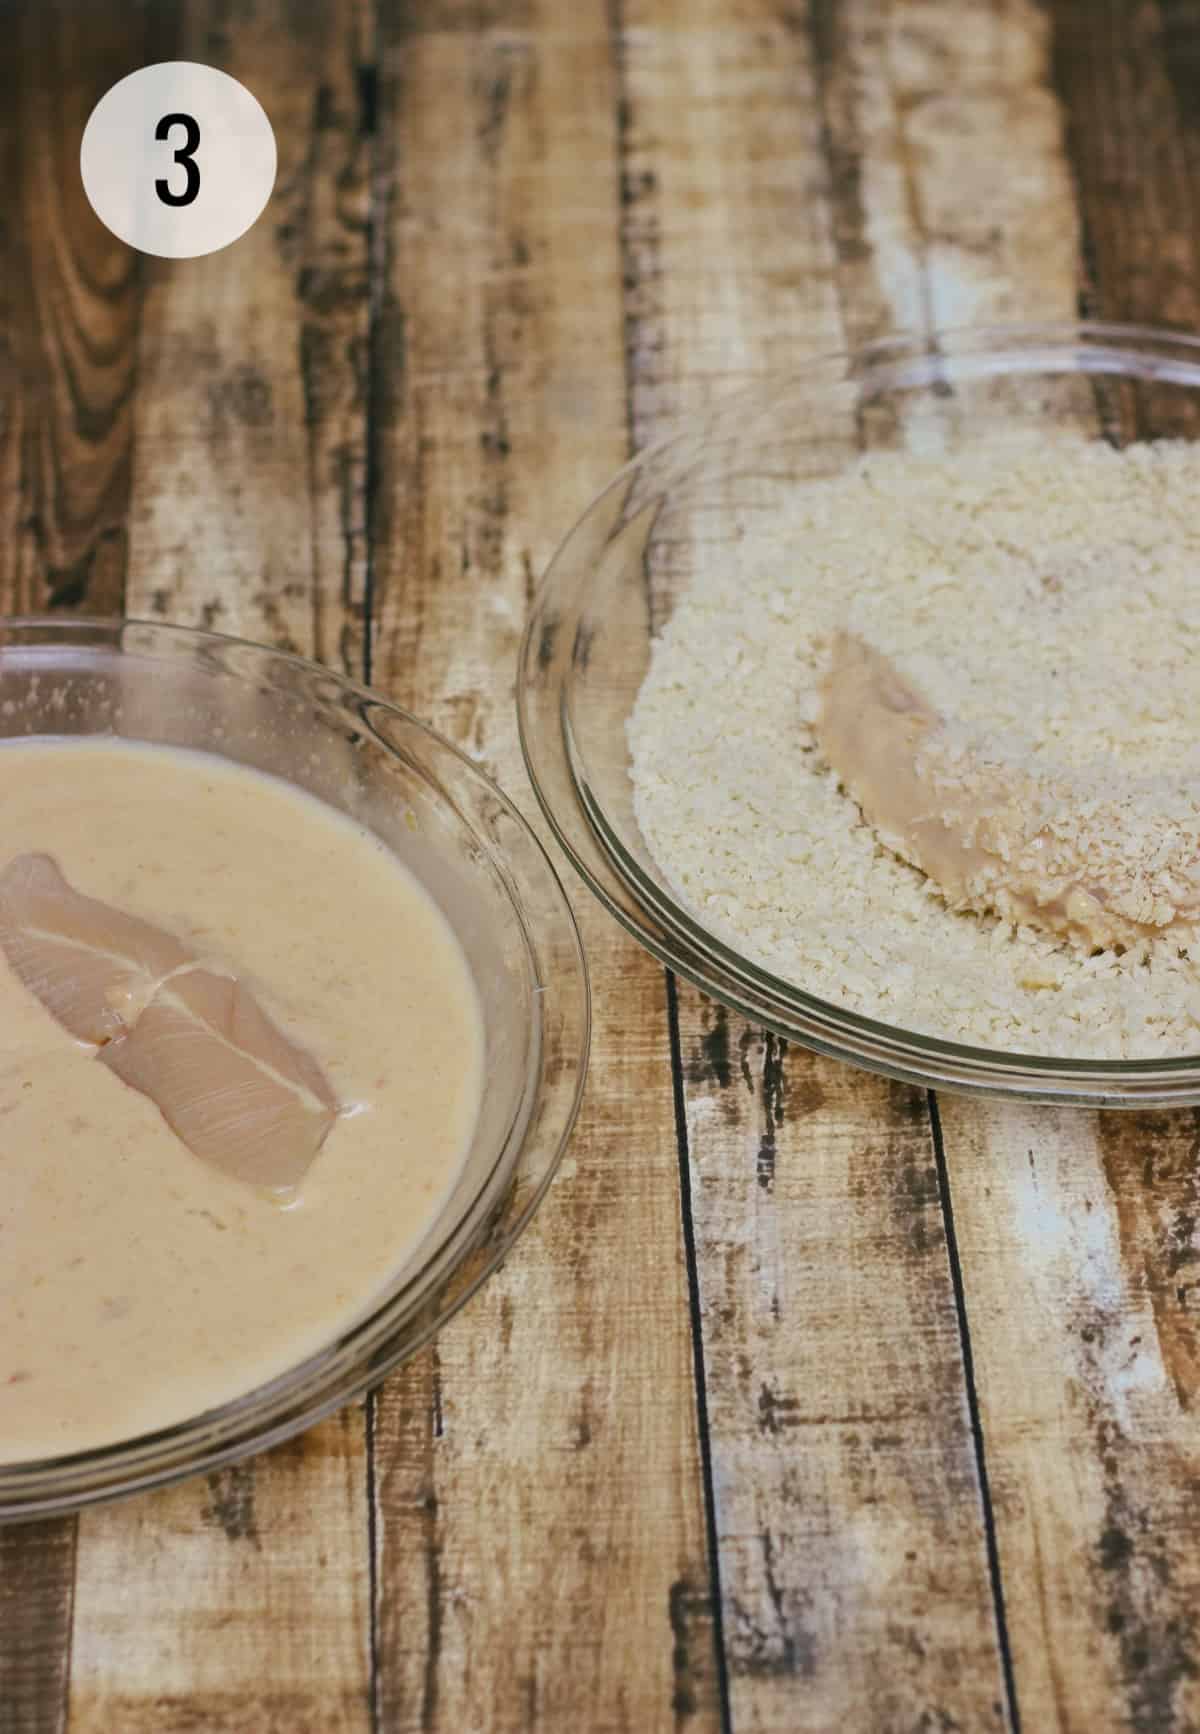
<point x="1023" y="625"/>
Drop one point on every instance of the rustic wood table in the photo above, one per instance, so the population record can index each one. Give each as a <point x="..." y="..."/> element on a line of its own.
<point x="809" y="1402"/>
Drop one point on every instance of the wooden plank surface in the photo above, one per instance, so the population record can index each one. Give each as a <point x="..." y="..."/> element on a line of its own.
<point x="70" y="306"/>
<point x="1091" y="1472"/>
<point x="37" y="1578"/>
<point x="248" y="509"/>
<point x="233" y="486"/>
<point x="853" y="1555"/>
<point x="1077" y="1233"/>
<point x="70" y="309"/>
<point x="540" y="1523"/>
<point x="948" y="1365"/>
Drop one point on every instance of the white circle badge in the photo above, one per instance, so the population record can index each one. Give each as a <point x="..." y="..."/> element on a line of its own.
<point x="178" y="159"/>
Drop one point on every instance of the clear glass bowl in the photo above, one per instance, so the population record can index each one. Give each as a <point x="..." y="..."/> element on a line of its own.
<point x="614" y="582"/>
<point x="477" y="857"/>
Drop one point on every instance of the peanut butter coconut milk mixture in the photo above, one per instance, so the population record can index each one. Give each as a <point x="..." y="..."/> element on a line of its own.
<point x="240" y="1068"/>
<point x="932" y="749"/>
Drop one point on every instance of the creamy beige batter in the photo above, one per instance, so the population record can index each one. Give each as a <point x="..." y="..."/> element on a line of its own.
<point x="139" y="1282"/>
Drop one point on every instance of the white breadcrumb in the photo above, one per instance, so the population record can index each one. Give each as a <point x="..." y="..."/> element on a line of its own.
<point x="1044" y="593"/>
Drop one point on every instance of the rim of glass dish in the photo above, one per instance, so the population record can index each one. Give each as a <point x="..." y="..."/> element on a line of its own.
<point x="278" y="1409"/>
<point x="666" y="928"/>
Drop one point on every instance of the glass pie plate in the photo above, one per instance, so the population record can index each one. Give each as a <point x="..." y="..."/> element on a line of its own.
<point x="481" y="863"/>
<point x="616" y="578"/>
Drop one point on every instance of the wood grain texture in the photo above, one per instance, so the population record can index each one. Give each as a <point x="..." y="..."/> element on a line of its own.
<point x="37" y="1581"/>
<point x="852" y="1552"/>
<point x="541" y="1547"/>
<point x="1122" y="70"/>
<point x="1077" y="1240"/>
<point x="70" y="300"/>
<point x="473" y="246"/>
<point x="767" y="197"/>
<point x="725" y="230"/>
<point x="1072" y="1230"/>
<point x="1133" y="132"/>
<point x="1095" y="1458"/>
<point x="235" y="1602"/>
<point x="249" y="506"/>
<point x="951" y="196"/>
<point x="70" y="303"/>
<point x="241" y="1600"/>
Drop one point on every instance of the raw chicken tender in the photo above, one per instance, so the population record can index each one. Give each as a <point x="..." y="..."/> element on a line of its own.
<point x="227" y="1081"/>
<point x="1041" y="850"/>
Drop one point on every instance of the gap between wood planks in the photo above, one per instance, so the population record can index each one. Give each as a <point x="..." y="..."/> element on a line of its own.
<point x="721" y="173"/>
